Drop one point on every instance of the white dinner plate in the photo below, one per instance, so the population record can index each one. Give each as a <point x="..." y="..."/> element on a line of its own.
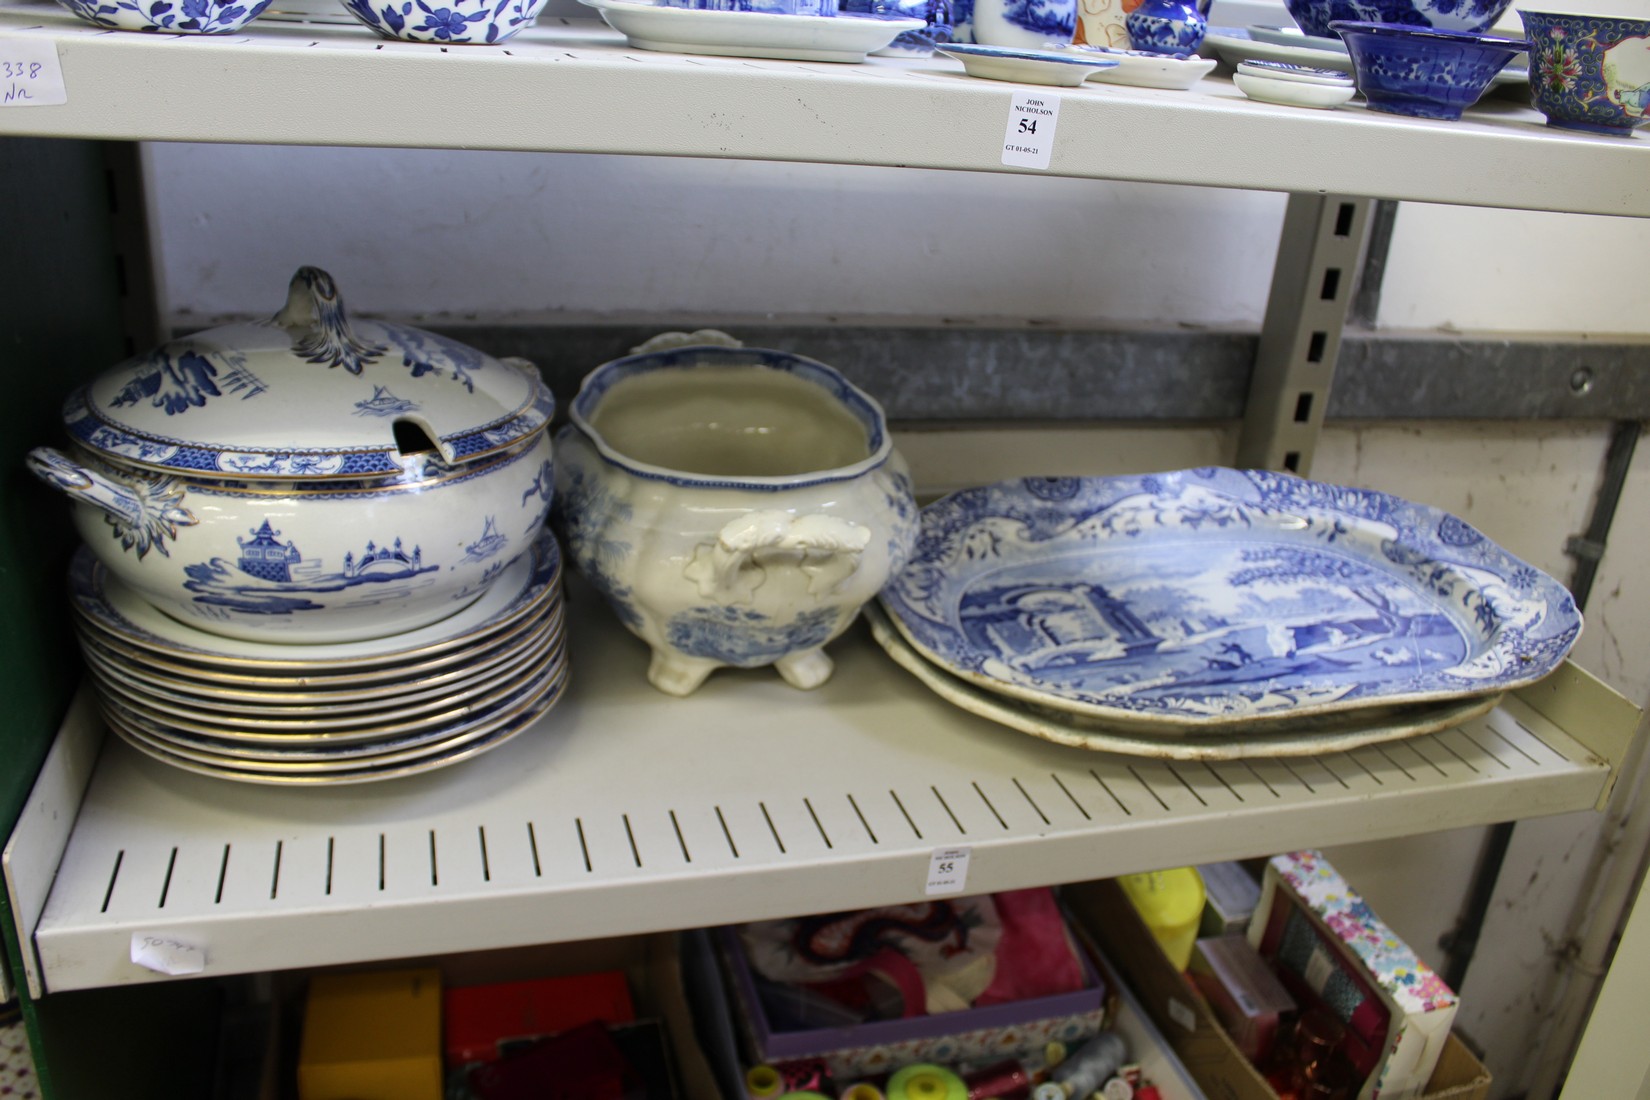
<point x="1059" y="68"/>
<point x="844" y="37"/>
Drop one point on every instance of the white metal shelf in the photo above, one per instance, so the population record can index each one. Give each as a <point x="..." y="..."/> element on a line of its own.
<point x="574" y="86"/>
<point x="629" y="811"/>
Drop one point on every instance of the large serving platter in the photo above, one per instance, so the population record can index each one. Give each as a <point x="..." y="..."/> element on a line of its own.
<point x="1309" y="737"/>
<point x="1213" y="599"/>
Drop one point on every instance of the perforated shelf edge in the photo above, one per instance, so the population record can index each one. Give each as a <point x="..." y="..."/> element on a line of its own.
<point x="627" y="811"/>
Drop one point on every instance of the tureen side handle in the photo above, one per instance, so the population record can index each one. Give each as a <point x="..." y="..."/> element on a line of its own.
<point x="149" y="509"/>
<point x="827" y="549"/>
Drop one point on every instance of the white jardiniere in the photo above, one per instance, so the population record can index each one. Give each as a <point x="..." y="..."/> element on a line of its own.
<point x="736" y="506"/>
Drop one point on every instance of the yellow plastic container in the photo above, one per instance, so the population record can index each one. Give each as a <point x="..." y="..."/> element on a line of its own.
<point x="1171" y="904"/>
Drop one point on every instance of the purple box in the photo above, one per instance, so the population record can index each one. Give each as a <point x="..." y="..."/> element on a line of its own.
<point x="1007" y="1030"/>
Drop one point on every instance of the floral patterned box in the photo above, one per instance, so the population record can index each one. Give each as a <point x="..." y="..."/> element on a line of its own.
<point x="1325" y="940"/>
<point x="871" y="1049"/>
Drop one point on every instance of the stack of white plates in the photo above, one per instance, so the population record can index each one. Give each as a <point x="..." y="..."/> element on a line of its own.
<point x="348" y="712"/>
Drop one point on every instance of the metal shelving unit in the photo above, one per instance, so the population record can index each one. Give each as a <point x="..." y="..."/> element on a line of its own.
<point x="627" y="811"/>
<point x="574" y="86"/>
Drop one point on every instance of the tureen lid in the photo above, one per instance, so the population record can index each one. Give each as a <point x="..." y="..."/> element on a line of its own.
<point x="308" y="393"/>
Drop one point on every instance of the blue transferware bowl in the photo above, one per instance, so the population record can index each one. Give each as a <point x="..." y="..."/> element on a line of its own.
<point x="1589" y="72"/>
<point x="170" y="16"/>
<point x="1472" y="16"/>
<point x="447" y="22"/>
<point x="1424" y="73"/>
<point x="1172" y="28"/>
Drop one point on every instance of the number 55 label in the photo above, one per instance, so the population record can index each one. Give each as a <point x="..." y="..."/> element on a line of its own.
<point x="947" y="871"/>
<point x="1028" y="140"/>
<point x="29" y="73"/>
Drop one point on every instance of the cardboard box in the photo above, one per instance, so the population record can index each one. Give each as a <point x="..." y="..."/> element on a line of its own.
<point x="1328" y="945"/>
<point x="868" y="1049"/>
<point x="374" y="1035"/>
<point x="1189" y="1025"/>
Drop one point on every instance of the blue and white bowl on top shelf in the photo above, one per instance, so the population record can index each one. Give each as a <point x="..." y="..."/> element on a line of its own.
<point x="168" y="16"/>
<point x="1174" y="28"/>
<point x="1472" y="16"/>
<point x="307" y="478"/>
<point x="1424" y="73"/>
<point x="1021" y="24"/>
<point x="736" y="506"/>
<point x="447" y="22"/>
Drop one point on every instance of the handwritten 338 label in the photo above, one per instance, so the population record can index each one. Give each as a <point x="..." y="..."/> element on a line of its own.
<point x="29" y="73"/>
<point x="1028" y="139"/>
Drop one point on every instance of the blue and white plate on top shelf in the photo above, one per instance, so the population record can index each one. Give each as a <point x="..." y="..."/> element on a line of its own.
<point x="1054" y="67"/>
<point x="1213" y="599"/>
<point x="843" y="37"/>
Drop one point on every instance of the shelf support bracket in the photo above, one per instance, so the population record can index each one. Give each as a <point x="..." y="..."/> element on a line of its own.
<point x="1320" y="253"/>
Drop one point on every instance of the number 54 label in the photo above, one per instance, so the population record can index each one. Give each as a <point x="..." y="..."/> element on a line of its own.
<point x="947" y="871"/>
<point x="1028" y="140"/>
<point x="29" y="73"/>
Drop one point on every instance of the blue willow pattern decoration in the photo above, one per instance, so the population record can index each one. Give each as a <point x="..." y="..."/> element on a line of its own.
<point x="186" y="16"/>
<point x="459" y="22"/>
<point x="184" y="376"/>
<point x="582" y="512"/>
<point x="1215" y="594"/>
<point x="746" y="638"/>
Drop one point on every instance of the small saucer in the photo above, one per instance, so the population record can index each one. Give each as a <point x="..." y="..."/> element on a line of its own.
<point x="1148" y="70"/>
<point x="1293" y="85"/>
<point x="1055" y="67"/>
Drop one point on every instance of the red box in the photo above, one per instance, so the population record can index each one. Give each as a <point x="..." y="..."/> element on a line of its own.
<point x="482" y="1020"/>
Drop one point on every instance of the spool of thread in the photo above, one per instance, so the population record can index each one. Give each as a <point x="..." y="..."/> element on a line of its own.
<point x="1091" y="1065"/>
<point x="806" y="1094"/>
<point x="1049" y="1090"/>
<point x="1009" y="1080"/>
<point x="762" y="1082"/>
<point x="864" y="1090"/>
<point x="1118" y="1088"/>
<point x="926" y="1082"/>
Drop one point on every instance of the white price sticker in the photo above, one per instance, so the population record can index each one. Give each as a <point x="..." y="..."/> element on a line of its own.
<point x="947" y="871"/>
<point x="1028" y="141"/>
<point x="165" y="955"/>
<point x="29" y="73"/>
<point x="1181" y="1014"/>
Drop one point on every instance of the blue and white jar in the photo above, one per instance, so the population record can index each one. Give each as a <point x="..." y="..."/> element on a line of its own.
<point x="736" y="506"/>
<point x="1172" y="27"/>
<point x="1023" y="24"/>
<point x="308" y="478"/>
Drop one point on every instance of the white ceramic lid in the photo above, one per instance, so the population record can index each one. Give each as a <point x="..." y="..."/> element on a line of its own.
<point x="308" y="394"/>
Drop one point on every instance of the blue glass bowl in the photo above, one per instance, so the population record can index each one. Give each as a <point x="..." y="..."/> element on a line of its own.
<point x="1473" y="16"/>
<point x="1408" y="70"/>
<point x="1590" y="72"/>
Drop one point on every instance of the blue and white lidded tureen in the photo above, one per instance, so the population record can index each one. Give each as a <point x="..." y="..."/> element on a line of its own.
<point x="737" y="506"/>
<point x="310" y="477"/>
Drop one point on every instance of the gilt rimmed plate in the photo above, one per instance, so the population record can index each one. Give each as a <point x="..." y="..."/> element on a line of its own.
<point x="387" y="685"/>
<point x="1308" y="737"/>
<point x="248" y="722"/>
<point x="1215" y="599"/>
<point x="443" y="756"/>
<point x="107" y="604"/>
<point x="311" y="755"/>
<point x="844" y="37"/>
